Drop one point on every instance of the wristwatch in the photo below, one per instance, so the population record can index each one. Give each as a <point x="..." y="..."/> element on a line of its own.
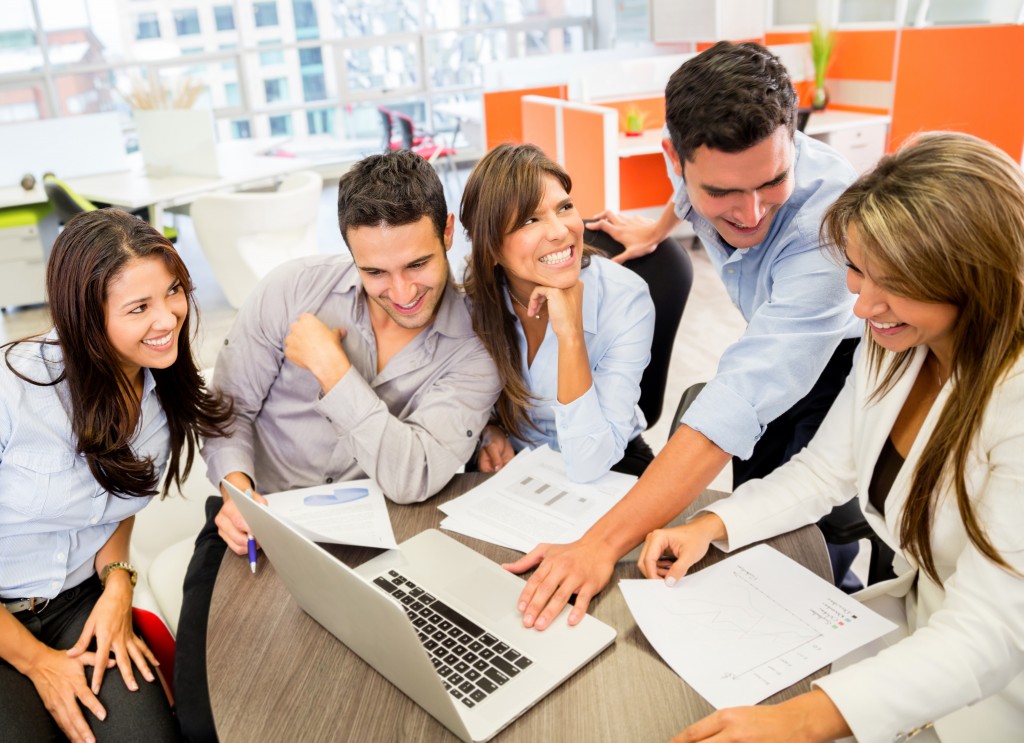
<point x="112" y="566"/>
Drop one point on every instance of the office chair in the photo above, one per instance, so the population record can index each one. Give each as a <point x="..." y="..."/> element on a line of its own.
<point x="669" y="275"/>
<point x="67" y="203"/>
<point x="803" y="115"/>
<point x="845" y="523"/>
<point x="247" y="234"/>
<point x="423" y="143"/>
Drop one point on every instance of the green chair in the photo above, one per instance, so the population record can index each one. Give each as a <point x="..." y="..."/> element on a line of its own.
<point x="67" y="203"/>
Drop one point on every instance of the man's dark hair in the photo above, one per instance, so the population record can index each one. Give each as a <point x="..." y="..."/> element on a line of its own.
<point x="393" y="189"/>
<point x="728" y="98"/>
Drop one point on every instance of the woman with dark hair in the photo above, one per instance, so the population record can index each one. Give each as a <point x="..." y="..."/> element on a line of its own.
<point x="569" y="331"/>
<point x="928" y="434"/>
<point x="91" y="415"/>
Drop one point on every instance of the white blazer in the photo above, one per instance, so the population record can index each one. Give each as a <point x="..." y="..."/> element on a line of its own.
<point x="963" y="665"/>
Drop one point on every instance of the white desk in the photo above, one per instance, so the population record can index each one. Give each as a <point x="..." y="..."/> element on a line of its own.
<point x="134" y="189"/>
<point x="861" y="138"/>
<point x="18" y="196"/>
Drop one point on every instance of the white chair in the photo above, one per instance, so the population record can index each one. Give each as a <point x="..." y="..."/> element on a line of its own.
<point x="246" y="234"/>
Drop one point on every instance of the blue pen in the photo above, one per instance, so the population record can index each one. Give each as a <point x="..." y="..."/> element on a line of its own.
<point x="252" y="554"/>
<point x="252" y="542"/>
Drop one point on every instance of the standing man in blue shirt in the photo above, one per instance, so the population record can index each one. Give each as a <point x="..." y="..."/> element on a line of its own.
<point x="754" y="189"/>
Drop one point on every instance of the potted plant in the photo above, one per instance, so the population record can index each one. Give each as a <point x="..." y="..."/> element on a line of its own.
<point x="822" y="41"/>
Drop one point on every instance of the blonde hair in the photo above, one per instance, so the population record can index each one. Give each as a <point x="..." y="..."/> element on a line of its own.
<point x="942" y="221"/>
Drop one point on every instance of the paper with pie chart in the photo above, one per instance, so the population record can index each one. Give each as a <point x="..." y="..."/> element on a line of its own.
<point x="750" y="625"/>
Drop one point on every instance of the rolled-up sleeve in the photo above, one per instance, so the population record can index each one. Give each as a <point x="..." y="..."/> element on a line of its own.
<point x="595" y="428"/>
<point x="413" y="458"/>
<point x="780" y="356"/>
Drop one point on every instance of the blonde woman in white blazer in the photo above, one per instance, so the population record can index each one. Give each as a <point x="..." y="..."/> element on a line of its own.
<point x="934" y="242"/>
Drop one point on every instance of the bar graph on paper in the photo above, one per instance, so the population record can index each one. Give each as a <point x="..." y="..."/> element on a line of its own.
<point x="750" y="625"/>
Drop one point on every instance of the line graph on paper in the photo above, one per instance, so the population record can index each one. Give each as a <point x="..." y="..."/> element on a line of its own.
<point x="750" y="625"/>
<point x="756" y="628"/>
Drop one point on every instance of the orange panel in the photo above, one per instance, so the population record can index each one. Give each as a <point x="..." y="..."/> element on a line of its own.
<point x="585" y="159"/>
<point x="863" y="55"/>
<point x="790" y="37"/>
<point x="502" y="116"/>
<point x="651" y="109"/>
<point x="540" y="127"/>
<point x="965" y="79"/>
<point x="643" y="182"/>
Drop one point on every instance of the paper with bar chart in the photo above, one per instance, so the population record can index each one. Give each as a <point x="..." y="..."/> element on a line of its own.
<point x="750" y="625"/>
<point x="532" y="500"/>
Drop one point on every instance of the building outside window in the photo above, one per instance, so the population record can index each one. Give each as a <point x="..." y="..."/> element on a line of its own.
<point x="320" y="121"/>
<point x="224" y="17"/>
<point x="314" y="88"/>
<point x="280" y="125"/>
<point x="186" y="21"/>
<point x="272" y="57"/>
<point x="265" y="14"/>
<point x="231" y="96"/>
<point x="240" y="129"/>
<point x="275" y="89"/>
<point x="147" y="26"/>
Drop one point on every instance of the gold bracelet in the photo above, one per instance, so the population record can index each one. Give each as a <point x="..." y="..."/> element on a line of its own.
<point x="112" y="566"/>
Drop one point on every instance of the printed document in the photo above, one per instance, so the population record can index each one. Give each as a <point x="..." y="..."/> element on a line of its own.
<point x="750" y="625"/>
<point x="350" y="512"/>
<point x="531" y="500"/>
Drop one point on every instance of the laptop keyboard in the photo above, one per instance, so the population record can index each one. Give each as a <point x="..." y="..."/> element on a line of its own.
<point x="472" y="662"/>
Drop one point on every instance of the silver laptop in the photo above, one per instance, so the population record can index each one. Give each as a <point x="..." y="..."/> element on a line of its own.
<point x="434" y="617"/>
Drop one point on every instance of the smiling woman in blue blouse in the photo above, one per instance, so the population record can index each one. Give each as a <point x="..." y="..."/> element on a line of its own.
<point x="569" y="331"/>
<point x="91" y="415"/>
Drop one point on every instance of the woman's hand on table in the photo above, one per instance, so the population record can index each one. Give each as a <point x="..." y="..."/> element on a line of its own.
<point x="495" y="449"/>
<point x="670" y="553"/>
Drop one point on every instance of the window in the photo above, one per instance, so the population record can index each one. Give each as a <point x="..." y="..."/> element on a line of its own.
<point x="228" y="64"/>
<point x="320" y="121"/>
<point x="186" y="22"/>
<point x="313" y="87"/>
<point x="231" y="96"/>
<point x="224" y="15"/>
<point x="147" y="26"/>
<point x="240" y="129"/>
<point x="265" y="14"/>
<point x="275" y="89"/>
<point x="308" y="57"/>
<point x="280" y="125"/>
<point x="305" y="14"/>
<point x="273" y="57"/>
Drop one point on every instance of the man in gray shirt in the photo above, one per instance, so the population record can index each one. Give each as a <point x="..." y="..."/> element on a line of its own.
<point x="343" y="369"/>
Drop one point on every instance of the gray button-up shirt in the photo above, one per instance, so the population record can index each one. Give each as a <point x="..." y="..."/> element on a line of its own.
<point x="409" y="427"/>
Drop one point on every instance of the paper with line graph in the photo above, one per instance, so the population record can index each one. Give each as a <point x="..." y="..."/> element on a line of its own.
<point x="750" y="625"/>
<point x="532" y="500"/>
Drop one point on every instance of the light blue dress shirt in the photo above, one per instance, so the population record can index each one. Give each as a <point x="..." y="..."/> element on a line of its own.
<point x="618" y="325"/>
<point x="54" y="516"/>
<point x="793" y="297"/>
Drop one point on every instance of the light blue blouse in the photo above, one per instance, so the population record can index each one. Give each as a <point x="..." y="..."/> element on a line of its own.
<point x="54" y="516"/>
<point x="618" y="325"/>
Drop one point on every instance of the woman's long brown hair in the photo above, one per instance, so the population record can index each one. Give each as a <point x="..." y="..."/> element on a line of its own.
<point x="87" y="256"/>
<point x="942" y="221"/>
<point x="505" y="188"/>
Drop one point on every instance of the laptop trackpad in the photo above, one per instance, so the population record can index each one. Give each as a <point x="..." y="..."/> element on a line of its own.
<point x="488" y="594"/>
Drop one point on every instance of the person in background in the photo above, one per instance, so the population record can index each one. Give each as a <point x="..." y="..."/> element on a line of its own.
<point x="91" y="415"/>
<point x="928" y="434"/>
<point x="569" y="330"/>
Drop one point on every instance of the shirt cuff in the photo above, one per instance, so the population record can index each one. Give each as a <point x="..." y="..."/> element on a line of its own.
<point x="725" y="418"/>
<point x="224" y="461"/>
<point x="348" y="403"/>
<point x="577" y="417"/>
